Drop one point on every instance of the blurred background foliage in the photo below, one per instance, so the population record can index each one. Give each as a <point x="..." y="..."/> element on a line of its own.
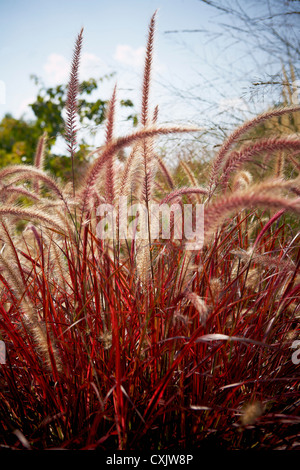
<point x="270" y="27"/>
<point x="19" y="137"/>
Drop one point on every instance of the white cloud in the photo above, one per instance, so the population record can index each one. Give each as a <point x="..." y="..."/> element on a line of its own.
<point x="91" y="66"/>
<point x="57" y="67"/>
<point x="127" y="55"/>
<point x="24" y="108"/>
<point x="230" y="104"/>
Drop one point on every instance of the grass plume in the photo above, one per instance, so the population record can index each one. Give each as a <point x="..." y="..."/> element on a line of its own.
<point x="72" y="103"/>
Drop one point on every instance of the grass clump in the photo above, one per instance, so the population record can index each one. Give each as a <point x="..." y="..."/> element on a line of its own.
<point x="144" y="344"/>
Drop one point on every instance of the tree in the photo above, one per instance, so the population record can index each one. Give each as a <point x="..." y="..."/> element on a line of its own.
<point x="19" y="137"/>
<point x="18" y="140"/>
<point x="246" y="44"/>
<point x="50" y="103"/>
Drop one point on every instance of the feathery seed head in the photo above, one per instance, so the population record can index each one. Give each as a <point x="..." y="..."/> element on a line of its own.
<point x="242" y="180"/>
<point x="199" y="305"/>
<point x="251" y="412"/>
<point x="106" y="340"/>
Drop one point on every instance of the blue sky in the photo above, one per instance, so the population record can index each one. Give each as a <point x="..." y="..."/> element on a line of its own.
<point x="37" y="37"/>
